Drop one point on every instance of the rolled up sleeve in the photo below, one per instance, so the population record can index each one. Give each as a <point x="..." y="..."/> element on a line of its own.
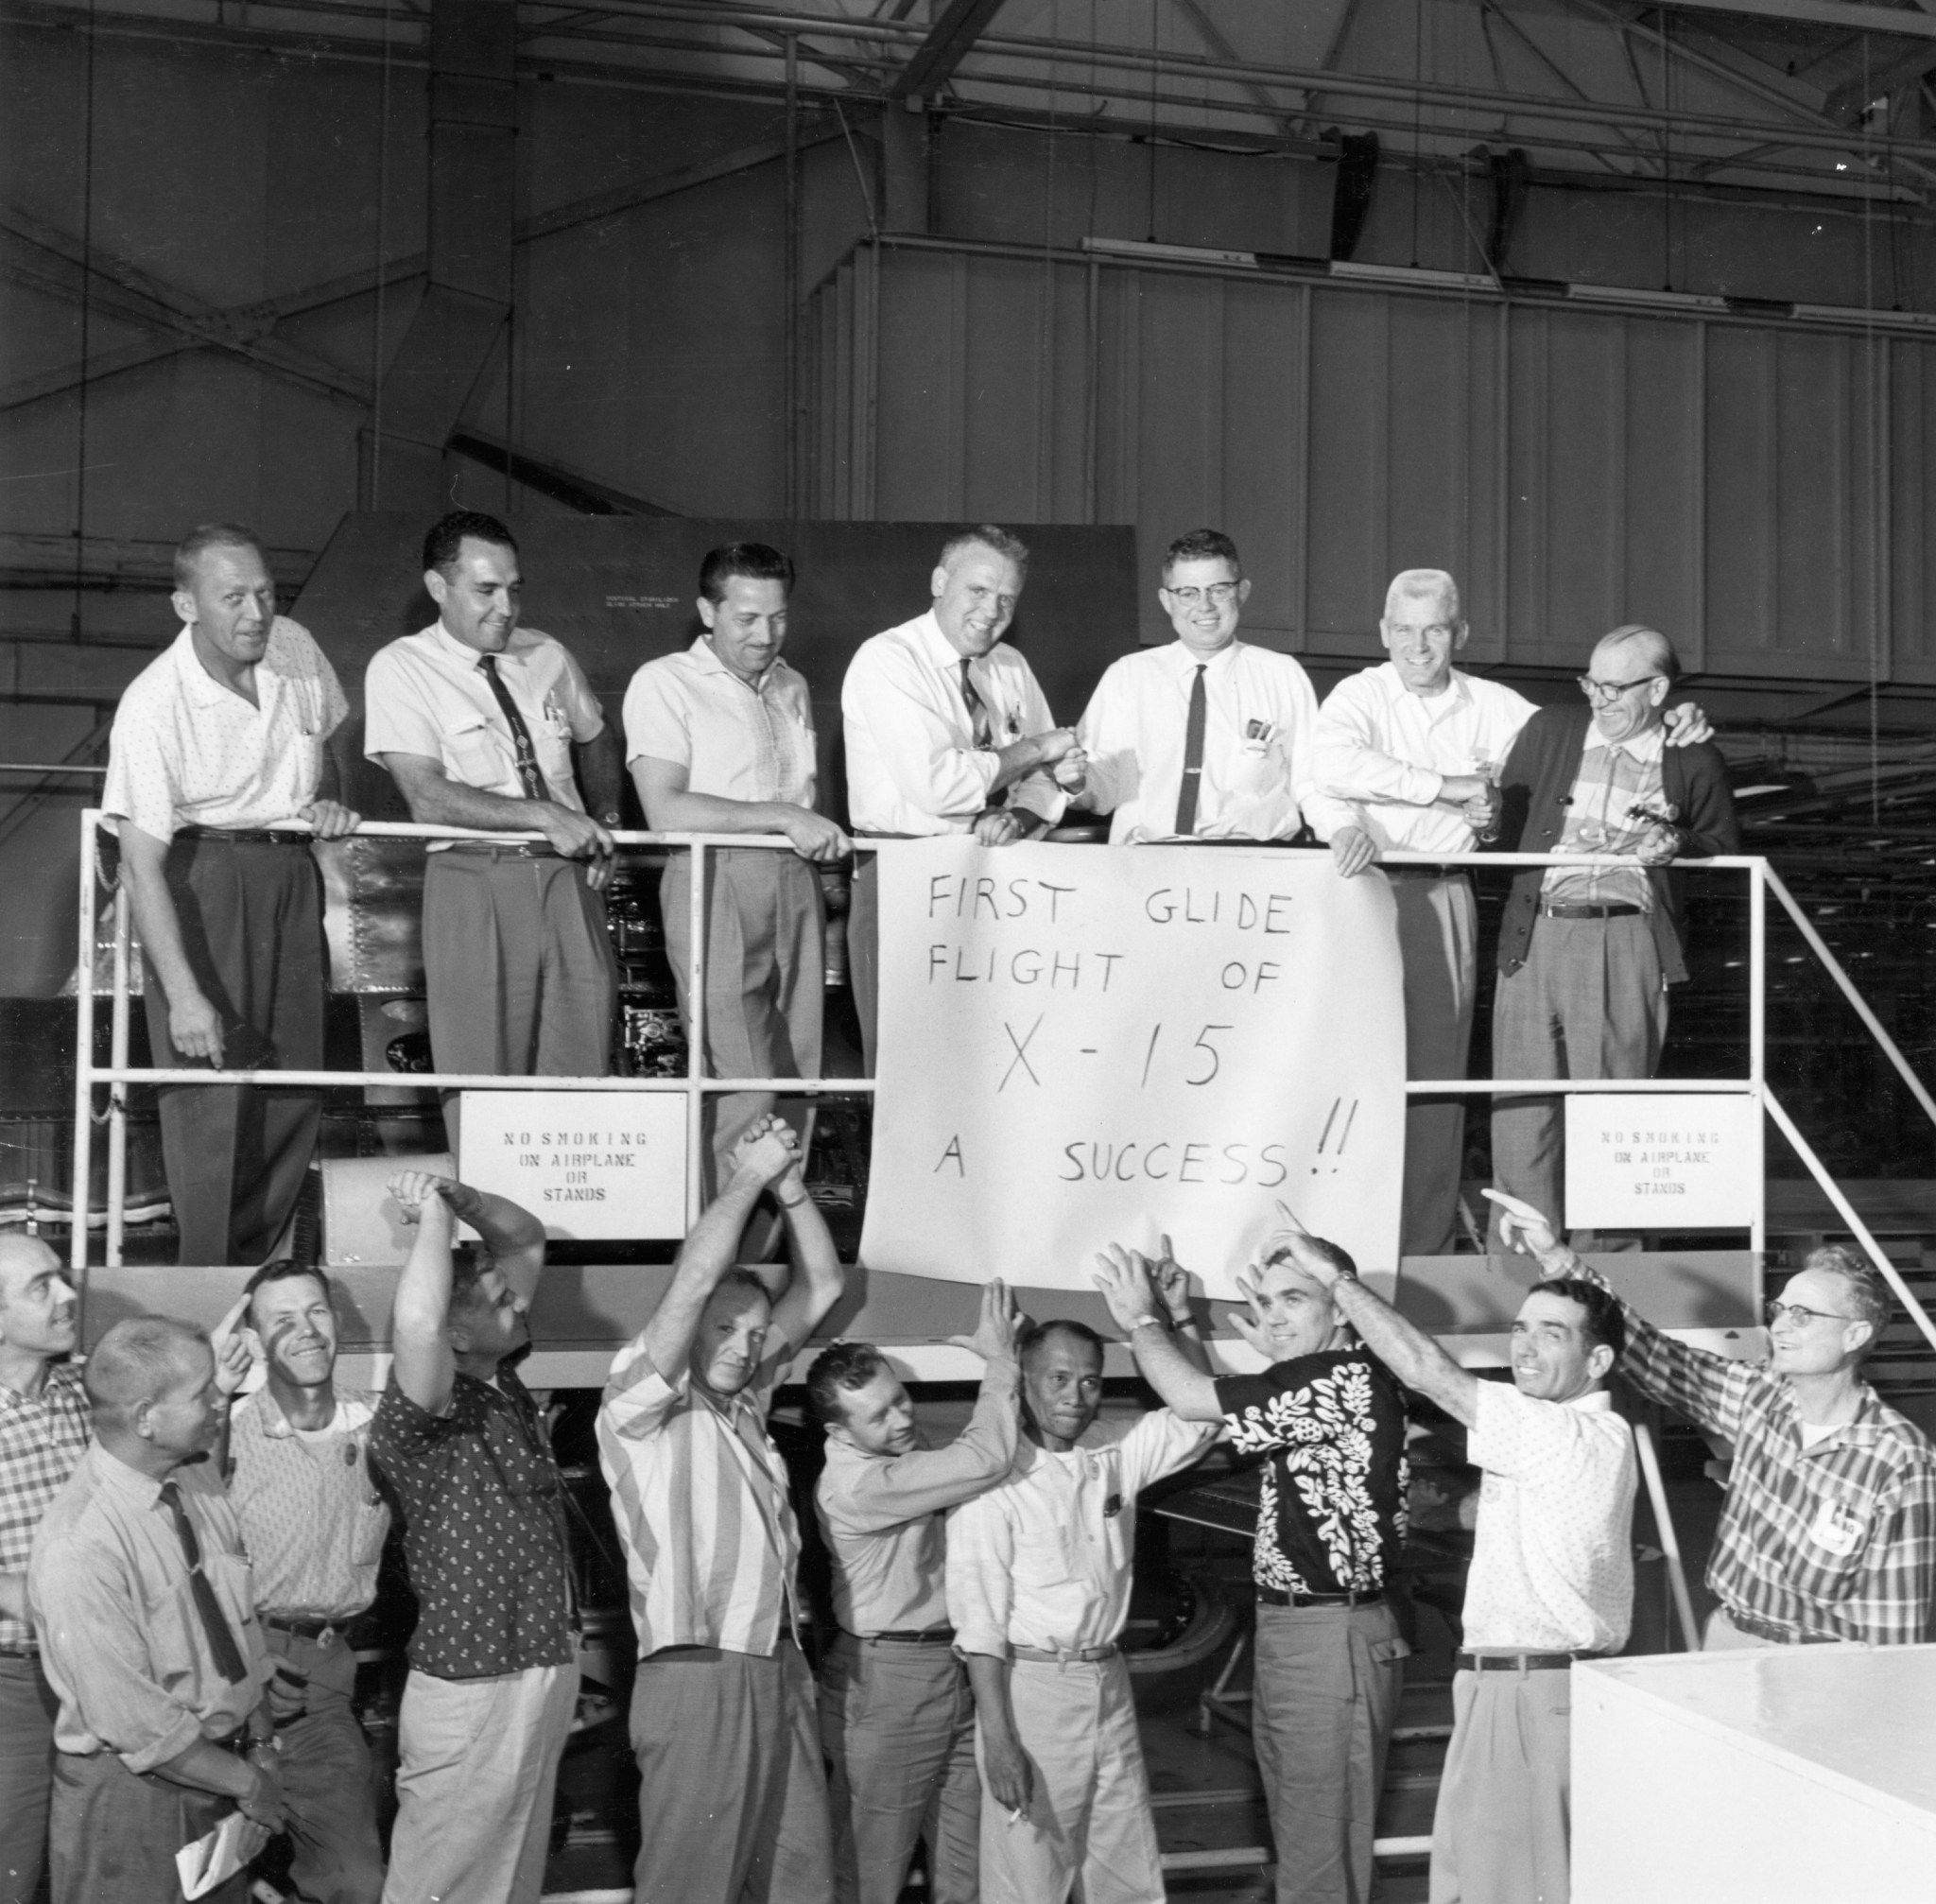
<point x="981" y="1577"/>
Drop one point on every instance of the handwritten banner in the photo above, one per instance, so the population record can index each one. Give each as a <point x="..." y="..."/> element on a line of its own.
<point x="1084" y="1045"/>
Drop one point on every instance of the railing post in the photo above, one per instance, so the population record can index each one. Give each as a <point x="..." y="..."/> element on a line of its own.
<point x="1758" y="1064"/>
<point x="117" y="1093"/>
<point x="695" y="1043"/>
<point x="80" y="1191"/>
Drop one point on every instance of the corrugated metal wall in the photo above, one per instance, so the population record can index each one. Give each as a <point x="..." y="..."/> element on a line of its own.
<point x="1762" y="491"/>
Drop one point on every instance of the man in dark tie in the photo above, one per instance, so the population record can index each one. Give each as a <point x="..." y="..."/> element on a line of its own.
<point x="141" y="1592"/>
<point x="484" y="723"/>
<point x="1207" y="738"/>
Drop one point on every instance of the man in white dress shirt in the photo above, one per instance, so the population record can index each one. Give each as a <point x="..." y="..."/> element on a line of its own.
<point x="949" y="732"/>
<point x="223" y="737"/>
<point x="1551" y="1579"/>
<point x="1208" y="737"/>
<point x="1039" y="1577"/>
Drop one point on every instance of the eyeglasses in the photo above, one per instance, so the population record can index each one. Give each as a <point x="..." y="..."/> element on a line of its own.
<point x="1773" y="1312"/>
<point x="1218" y="592"/>
<point x="1602" y="692"/>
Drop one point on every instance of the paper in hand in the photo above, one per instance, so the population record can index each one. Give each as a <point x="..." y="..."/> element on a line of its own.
<point x="213" y="1857"/>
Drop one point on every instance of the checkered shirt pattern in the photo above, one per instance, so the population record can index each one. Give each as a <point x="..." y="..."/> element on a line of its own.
<point x="1790" y="1511"/>
<point x="41" y="1441"/>
<point x="1613" y="781"/>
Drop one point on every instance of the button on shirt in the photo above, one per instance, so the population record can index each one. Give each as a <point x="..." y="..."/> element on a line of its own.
<point x="309" y="1506"/>
<point x="483" y="1529"/>
<point x="882" y="1514"/>
<point x="186" y="751"/>
<point x="912" y="764"/>
<point x="737" y="739"/>
<point x="699" y="1494"/>
<point x="1387" y="752"/>
<point x="1834" y="1539"/>
<point x="122" y="1641"/>
<point x="1615" y="780"/>
<point x="1553" y="1561"/>
<point x="425" y="694"/>
<point x="1261" y="716"/>
<point x="1331" y="1510"/>
<point x="42" y="1439"/>
<point x="1043" y="1559"/>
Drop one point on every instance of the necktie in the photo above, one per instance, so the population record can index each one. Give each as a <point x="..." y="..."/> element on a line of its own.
<point x="1193" y="755"/>
<point x="528" y="776"/>
<point x="214" y="1623"/>
<point x="978" y="709"/>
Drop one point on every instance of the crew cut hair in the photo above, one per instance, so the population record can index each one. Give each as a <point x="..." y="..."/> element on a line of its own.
<point x="209" y="535"/>
<point x="987" y="535"/>
<point x="446" y="535"/>
<point x="136" y="1360"/>
<point x="756" y="561"/>
<point x="1334" y="1253"/>
<point x="1424" y="584"/>
<point x="1869" y="1293"/>
<point x="1604" y="1322"/>
<point x="1202" y="545"/>
<point x="1037" y="1337"/>
<point x="838" y="1370"/>
<point x="285" y="1270"/>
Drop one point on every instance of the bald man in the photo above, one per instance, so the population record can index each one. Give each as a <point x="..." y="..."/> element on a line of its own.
<point x="1586" y="955"/>
<point x="42" y="1435"/>
<point x="139" y="1588"/>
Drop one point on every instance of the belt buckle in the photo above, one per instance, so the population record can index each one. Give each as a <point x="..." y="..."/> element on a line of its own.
<point x="327" y="1638"/>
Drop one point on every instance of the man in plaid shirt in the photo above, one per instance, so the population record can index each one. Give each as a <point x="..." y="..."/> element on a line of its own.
<point x="1828" y="1532"/>
<point x="43" y="1431"/>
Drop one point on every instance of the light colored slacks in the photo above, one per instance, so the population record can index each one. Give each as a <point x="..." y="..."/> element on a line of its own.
<point x="897" y="1729"/>
<point x="732" y="1797"/>
<point x="1438" y="935"/>
<point x="1324" y="1698"/>
<point x="477" y="1766"/>
<point x="1088" y="1822"/>
<point x="1501" y="1830"/>
<point x="1588" y="1003"/>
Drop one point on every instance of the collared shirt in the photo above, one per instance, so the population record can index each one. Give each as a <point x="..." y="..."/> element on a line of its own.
<point x="737" y="739"/>
<point x="1043" y="1559"/>
<point x="1552" y="1560"/>
<point x="1617" y="786"/>
<point x="1260" y="716"/>
<point x="699" y="1494"/>
<point x="882" y="1515"/>
<point x="42" y="1439"/>
<point x="1836" y="1539"/>
<point x="1388" y="752"/>
<point x="309" y="1506"/>
<point x="1331" y="1510"/>
<point x="912" y="764"/>
<point x="186" y="751"/>
<point x="425" y="694"/>
<point x="121" y="1637"/>
<point x="483" y="1527"/>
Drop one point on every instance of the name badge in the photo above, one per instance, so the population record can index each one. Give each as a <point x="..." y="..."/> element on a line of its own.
<point x="1836" y="1529"/>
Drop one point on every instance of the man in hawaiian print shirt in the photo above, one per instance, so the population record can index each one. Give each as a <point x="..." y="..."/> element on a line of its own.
<point x="1330" y="1422"/>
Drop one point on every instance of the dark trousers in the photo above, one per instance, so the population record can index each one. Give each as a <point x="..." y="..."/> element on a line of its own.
<point x="26" y="1774"/>
<point x="326" y="1772"/>
<point x="251" y="928"/>
<point x="116" y="1833"/>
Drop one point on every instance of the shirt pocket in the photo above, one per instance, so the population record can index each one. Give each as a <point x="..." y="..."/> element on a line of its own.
<point x="474" y="754"/>
<point x="551" y="742"/>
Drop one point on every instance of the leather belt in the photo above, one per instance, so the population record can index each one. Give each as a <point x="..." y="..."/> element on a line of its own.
<point x="241" y="838"/>
<point x="1274" y="1596"/>
<point x="923" y="1635"/>
<point x="1518" y="1662"/>
<point x="322" y="1630"/>
<point x="1083" y="1654"/>
<point x="1590" y="912"/>
<point x="1426" y="871"/>
<point x="1778" y="1635"/>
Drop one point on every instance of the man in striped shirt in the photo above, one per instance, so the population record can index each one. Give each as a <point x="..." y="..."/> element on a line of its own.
<point x="733" y="1796"/>
<point x="1828" y="1532"/>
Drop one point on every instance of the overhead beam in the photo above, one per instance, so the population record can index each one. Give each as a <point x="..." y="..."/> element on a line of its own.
<point x="1908" y="22"/>
<point x="950" y="42"/>
<point x="1847" y="103"/>
<point x="1213" y="37"/>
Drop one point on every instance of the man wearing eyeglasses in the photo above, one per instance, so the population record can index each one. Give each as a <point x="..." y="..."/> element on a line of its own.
<point x="1828" y="1532"/>
<point x="1208" y="737"/>
<point x="1586" y="953"/>
<point x="1411" y="749"/>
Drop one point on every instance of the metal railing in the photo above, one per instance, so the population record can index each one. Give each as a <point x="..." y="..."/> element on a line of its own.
<point x="696" y="1086"/>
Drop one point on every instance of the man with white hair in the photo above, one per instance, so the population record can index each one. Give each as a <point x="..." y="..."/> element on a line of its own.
<point x="947" y="732"/>
<point x="1413" y="747"/>
<point x="1586" y="954"/>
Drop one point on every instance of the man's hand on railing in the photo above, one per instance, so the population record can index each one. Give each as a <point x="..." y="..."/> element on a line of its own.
<point x="330" y="819"/>
<point x="576" y="836"/>
<point x="997" y="826"/>
<point x="1352" y="851"/>
<point x="814" y="835"/>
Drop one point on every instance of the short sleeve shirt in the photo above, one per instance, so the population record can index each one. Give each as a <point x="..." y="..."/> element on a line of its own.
<point x="1331" y="1514"/>
<point x="737" y="739"/>
<point x="483" y="1529"/>
<point x="185" y="750"/>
